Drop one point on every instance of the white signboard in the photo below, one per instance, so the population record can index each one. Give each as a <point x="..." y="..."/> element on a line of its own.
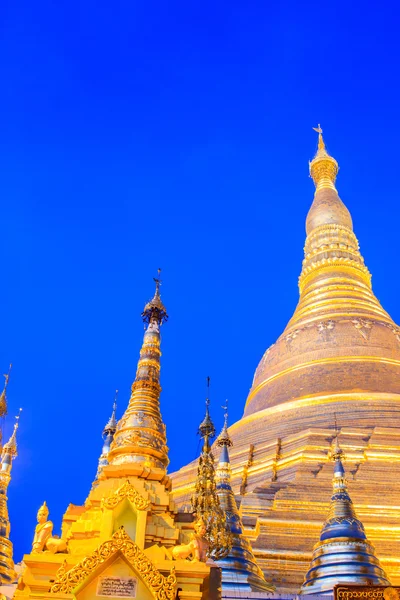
<point x="117" y="587"/>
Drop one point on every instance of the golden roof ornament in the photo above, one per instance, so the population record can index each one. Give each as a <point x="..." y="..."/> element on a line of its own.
<point x="155" y="309"/>
<point x="224" y="439"/>
<point x="323" y="167"/>
<point x="205" y="501"/>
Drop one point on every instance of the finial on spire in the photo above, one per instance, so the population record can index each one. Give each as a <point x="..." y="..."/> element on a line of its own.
<point x="323" y="167"/>
<point x="337" y="453"/>
<point x="321" y="143"/>
<point x="155" y="309"/>
<point x="223" y="438"/>
<point x="206" y="428"/>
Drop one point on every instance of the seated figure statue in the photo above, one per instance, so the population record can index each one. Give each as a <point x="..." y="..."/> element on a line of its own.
<point x="43" y="539"/>
<point x="197" y="548"/>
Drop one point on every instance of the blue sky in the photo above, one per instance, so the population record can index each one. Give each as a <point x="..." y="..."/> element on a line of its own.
<point x="138" y="135"/>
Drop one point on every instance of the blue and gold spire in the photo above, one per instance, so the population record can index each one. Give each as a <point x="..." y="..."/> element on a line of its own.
<point x="239" y="570"/>
<point x="343" y="553"/>
<point x="9" y="452"/>
<point x="108" y="436"/>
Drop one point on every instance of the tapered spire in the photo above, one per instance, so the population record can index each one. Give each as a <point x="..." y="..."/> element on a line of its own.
<point x="108" y="436"/>
<point x="140" y="438"/>
<point x="9" y="452"/>
<point x="338" y="319"/>
<point x="205" y="501"/>
<point x="239" y="569"/>
<point x="332" y="261"/>
<point x="343" y="554"/>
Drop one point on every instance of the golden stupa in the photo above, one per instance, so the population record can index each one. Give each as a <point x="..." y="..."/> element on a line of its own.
<point x="339" y="355"/>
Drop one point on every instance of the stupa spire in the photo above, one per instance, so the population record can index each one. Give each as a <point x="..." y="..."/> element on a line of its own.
<point x="108" y="436"/>
<point x="9" y="452"/>
<point x="140" y="438"/>
<point x="239" y="569"/>
<point x="205" y="501"/>
<point x="343" y="553"/>
<point x="338" y="318"/>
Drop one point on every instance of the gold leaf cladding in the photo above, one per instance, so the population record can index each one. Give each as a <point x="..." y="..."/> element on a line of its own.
<point x="127" y="490"/>
<point x="162" y="588"/>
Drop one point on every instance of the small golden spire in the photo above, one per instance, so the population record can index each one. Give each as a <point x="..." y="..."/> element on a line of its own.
<point x="140" y="438"/>
<point x="323" y="167"/>
<point x="223" y="438"/>
<point x="205" y="501"/>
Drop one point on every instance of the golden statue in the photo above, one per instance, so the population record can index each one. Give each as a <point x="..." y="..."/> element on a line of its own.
<point x="43" y="529"/>
<point x="43" y="539"/>
<point x="197" y="548"/>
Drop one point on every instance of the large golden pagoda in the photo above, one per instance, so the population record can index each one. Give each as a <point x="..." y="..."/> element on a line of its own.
<point x="338" y="355"/>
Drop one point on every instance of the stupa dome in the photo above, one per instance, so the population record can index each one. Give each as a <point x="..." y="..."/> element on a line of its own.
<point x="339" y="339"/>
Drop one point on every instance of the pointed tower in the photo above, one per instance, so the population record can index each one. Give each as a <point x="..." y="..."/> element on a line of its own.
<point x="108" y="436"/>
<point x="7" y="572"/>
<point x="338" y="354"/>
<point x="140" y="439"/>
<point x="239" y="570"/>
<point x="337" y="314"/>
<point x="205" y="501"/>
<point x="343" y="553"/>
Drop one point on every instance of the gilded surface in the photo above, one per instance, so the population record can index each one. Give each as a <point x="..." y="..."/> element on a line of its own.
<point x="127" y="490"/>
<point x="162" y="588"/>
<point x="339" y="355"/>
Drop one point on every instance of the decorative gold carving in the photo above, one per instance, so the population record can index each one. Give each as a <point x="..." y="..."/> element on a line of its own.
<point x="341" y="263"/>
<point x="62" y="570"/>
<point x="162" y="588"/>
<point x="325" y="328"/>
<point x="127" y="490"/>
<point x="363" y="326"/>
